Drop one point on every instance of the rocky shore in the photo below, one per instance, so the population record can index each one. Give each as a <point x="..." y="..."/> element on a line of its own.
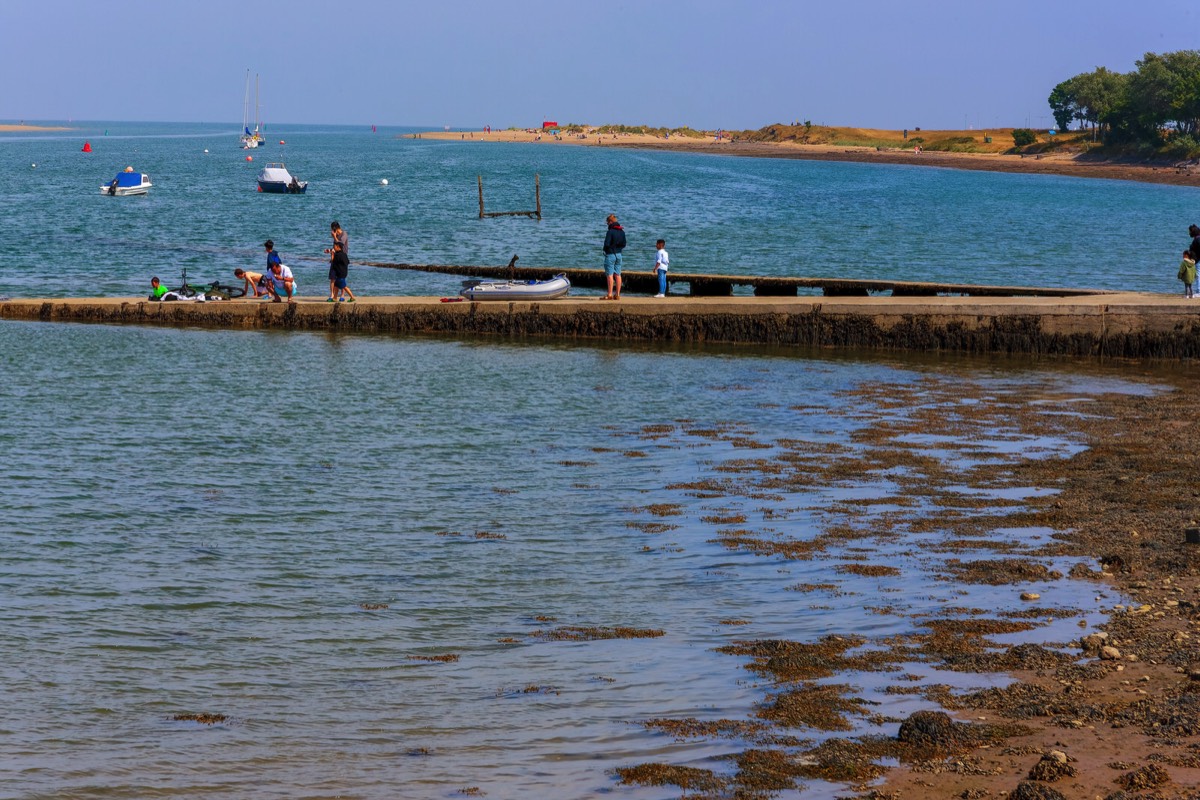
<point x="1112" y="712"/>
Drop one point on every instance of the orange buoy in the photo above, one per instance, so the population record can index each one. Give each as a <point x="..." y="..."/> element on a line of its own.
<point x="87" y="147"/>
<point x="249" y="158"/>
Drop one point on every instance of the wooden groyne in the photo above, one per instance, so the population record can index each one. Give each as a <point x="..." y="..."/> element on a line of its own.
<point x="1118" y="325"/>
<point x="704" y="285"/>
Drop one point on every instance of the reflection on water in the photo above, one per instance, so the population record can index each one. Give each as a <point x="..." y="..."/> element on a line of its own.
<point x="348" y="545"/>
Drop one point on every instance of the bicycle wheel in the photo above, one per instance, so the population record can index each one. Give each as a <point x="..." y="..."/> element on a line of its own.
<point x="228" y="292"/>
<point x="187" y="290"/>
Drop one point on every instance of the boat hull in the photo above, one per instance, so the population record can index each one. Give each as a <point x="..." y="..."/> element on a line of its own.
<point x="556" y="287"/>
<point x="125" y="191"/>
<point x="277" y="187"/>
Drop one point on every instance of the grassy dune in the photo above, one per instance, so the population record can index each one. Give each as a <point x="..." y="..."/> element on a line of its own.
<point x="968" y="141"/>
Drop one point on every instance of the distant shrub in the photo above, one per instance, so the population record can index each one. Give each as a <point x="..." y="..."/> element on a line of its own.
<point x="1183" y="146"/>
<point x="1023" y="137"/>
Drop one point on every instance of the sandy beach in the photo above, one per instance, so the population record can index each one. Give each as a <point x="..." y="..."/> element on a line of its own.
<point x="30" y="128"/>
<point x="1055" y="163"/>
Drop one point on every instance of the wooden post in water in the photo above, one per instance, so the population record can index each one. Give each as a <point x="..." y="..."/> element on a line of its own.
<point x="537" y="190"/>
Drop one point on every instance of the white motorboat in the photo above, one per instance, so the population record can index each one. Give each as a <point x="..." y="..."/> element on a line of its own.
<point x="275" y="179"/>
<point x="555" y="287"/>
<point x="127" y="182"/>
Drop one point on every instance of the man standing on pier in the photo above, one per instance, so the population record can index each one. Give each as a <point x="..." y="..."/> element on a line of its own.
<point x="614" y="243"/>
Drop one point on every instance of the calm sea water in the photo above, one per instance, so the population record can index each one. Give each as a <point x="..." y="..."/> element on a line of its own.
<point x="718" y="214"/>
<point x="200" y="521"/>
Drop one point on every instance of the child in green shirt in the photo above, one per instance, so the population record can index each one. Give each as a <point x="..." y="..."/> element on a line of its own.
<point x="1187" y="274"/>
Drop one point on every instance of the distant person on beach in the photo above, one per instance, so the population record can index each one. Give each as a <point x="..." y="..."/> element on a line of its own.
<point x="281" y="282"/>
<point x="661" y="262"/>
<point x="614" y="243"/>
<point x="1194" y="232"/>
<point x="254" y="283"/>
<point x="157" y="290"/>
<point x="1187" y="273"/>
<point x="339" y="270"/>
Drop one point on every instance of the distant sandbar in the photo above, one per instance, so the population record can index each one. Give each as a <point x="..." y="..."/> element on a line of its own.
<point x="1055" y="163"/>
<point x="30" y="128"/>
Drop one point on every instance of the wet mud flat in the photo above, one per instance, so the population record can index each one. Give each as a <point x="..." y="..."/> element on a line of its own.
<point x="1119" y="325"/>
<point x="1005" y="691"/>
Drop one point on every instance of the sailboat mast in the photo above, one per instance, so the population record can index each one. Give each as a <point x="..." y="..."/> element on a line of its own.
<point x="246" y="106"/>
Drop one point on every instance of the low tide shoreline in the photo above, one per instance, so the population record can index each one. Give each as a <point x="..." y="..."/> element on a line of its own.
<point x="1079" y="166"/>
<point x="1099" y="709"/>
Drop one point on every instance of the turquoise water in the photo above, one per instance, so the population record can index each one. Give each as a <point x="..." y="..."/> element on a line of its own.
<point x="719" y="214"/>
<point x="283" y="528"/>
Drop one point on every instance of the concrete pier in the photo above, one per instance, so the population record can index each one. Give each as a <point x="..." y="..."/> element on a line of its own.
<point x="1115" y="325"/>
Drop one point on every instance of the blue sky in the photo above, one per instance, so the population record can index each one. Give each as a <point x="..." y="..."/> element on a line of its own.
<point x="705" y="63"/>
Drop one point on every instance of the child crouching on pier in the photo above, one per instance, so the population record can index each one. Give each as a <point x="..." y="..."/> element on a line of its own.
<point x="1187" y="274"/>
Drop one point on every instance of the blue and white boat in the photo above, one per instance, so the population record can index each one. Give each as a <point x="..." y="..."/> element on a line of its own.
<point x="127" y="182"/>
<point x="475" y="289"/>
<point x="275" y="179"/>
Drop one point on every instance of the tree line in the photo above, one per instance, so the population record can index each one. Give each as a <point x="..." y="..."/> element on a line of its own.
<point x="1156" y="107"/>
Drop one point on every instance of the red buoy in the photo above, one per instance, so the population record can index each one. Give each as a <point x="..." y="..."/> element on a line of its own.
<point x="249" y="158"/>
<point x="87" y="147"/>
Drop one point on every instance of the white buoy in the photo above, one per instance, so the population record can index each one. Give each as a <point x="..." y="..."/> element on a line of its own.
<point x="33" y="165"/>
<point x="383" y="182"/>
<point x="206" y="149"/>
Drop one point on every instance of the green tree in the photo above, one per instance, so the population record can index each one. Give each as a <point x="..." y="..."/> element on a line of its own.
<point x="1161" y="98"/>
<point x="1098" y="95"/>
<point x="1064" y="104"/>
<point x="1164" y="91"/>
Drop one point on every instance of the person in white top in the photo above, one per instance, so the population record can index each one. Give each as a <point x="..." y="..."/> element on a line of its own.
<point x="661" y="262"/>
<point x="281" y="282"/>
